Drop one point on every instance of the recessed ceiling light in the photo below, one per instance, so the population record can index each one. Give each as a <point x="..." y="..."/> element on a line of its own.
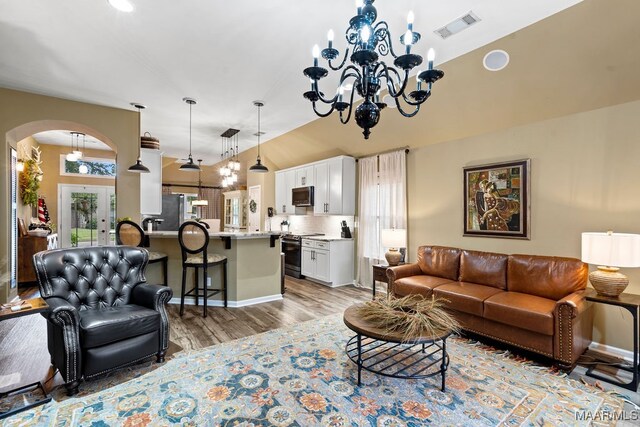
<point x="122" y="5"/>
<point x="496" y="60"/>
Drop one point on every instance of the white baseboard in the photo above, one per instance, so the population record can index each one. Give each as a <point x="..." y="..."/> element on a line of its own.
<point x="614" y="351"/>
<point x="329" y="285"/>
<point x="230" y="304"/>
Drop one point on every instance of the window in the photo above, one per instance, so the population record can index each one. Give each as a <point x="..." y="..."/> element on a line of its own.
<point x="96" y="167"/>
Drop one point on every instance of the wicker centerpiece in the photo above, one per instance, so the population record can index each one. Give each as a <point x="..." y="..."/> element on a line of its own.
<point x="148" y="141"/>
<point x="412" y="316"/>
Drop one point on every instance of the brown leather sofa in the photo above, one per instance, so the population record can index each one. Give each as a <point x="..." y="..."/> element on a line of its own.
<point x="532" y="302"/>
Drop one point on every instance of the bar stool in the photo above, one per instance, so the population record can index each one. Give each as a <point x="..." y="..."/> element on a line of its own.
<point x="194" y="241"/>
<point x="131" y="234"/>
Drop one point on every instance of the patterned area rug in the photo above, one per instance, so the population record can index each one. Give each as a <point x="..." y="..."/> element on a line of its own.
<point x="300" y="376"/>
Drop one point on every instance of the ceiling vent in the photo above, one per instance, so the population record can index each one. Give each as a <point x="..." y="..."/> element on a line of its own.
<point x="458" y="25"/>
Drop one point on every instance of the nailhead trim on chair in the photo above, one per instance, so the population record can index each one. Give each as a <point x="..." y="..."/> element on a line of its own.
<point x="66" y="322"/>
<point x="120" y="366"/>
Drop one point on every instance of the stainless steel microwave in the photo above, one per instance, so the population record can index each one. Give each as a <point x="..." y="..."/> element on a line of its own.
<point x="302" y="196"/>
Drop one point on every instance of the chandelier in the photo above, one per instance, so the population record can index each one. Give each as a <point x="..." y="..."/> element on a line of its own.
<point x="369" y="41"/>
<point x="229" y="157"/>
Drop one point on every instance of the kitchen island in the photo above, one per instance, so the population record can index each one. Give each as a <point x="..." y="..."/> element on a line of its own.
<point x="253" y="266"/>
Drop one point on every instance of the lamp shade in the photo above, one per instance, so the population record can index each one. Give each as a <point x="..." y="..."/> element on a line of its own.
<point x="611" y="249"/>
<point x="200" y="202"/>
<point x="394" y="238"/>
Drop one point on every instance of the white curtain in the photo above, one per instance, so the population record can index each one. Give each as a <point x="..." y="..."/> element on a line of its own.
<point x="382" y="204"/>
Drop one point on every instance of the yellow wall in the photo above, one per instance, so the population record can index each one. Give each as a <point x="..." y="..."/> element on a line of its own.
<point x="24" y="114"/>
<point x="51" y="169"/>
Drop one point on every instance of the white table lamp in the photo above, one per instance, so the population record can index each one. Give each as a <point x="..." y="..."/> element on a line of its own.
<point x="393" y="239"/>
<point x="610" y="251"/>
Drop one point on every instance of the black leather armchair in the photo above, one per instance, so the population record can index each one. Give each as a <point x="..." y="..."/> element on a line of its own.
<point x="102" y="315"/>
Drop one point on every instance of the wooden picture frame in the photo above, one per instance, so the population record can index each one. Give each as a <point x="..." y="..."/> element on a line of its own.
<point x="22" y="228"/>
<point x="496" y="200"/>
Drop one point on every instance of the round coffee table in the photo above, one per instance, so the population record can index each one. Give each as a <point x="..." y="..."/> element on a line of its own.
<point x="384" y="353"/>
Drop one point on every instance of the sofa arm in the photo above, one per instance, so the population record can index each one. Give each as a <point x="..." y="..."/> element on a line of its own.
<point x="400" y="271"/>
<point x="66" y="354"/>
<point x="155" y="297"/>
<point x="577" y="303"/>
<point x="573" y="328"/>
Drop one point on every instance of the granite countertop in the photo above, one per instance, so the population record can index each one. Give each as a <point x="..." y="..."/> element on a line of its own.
<point x="327" y="238"/>
<point x="234" y="235"/>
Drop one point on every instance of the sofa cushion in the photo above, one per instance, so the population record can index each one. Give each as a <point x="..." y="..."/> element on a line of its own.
<point x="111" y="324"/>
<point x="522" y="311"/>
<point x="422" y="285"/>
<point x="466" y="297"/>
<point x="546" y="277"/>
<point x="439" y="261"/>
<point x="484" y="268"/>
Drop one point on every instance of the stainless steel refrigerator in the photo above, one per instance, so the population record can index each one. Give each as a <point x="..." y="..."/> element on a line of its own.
<point x="172" y="213"/>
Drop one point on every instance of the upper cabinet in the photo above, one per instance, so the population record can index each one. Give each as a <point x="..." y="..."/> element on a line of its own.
<point x="285" y="182"/>
<point x="335" y="189"/>
<point x="304" y="176"/>
<point x="334" y="182"/>
<point x="151" y="183"/>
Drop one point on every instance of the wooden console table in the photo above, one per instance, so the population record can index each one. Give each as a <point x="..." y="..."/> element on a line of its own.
<point x="380" y="275"/>
<point x="632" y="303"/>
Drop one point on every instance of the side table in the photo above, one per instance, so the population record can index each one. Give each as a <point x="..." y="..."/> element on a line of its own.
<point x="380" y="275"/>
<point x="632" y="303"/>
<point x="38" y="305"/>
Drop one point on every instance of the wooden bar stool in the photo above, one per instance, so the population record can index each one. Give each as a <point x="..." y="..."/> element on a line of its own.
<point x="194" y="241"/>
<point x="131" y="234"/>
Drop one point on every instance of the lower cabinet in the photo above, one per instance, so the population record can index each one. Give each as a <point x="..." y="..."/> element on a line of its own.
<point x="330" y="263"/>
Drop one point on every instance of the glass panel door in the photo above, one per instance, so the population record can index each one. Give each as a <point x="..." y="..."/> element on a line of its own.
<point x="86" y="216"/>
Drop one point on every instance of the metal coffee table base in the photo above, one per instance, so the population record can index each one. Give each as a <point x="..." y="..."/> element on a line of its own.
<point x="397" y="360"/>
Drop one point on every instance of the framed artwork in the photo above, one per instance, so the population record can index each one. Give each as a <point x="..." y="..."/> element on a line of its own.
<point x="496" y="200"/>
<point x="22" y="228"/>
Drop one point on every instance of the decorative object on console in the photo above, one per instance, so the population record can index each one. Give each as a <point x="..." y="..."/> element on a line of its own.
<point x="610" y="251"/>
<point x="138" y="167"/>
<point x="393" y="239"/>
<point x="496" y="200"/>
<point x="259" y="167"/>
<point x="369" y="41"/>
<point x="229" y="171"/>
<point x="189" y="166"/>
<point x="29" y="179"/>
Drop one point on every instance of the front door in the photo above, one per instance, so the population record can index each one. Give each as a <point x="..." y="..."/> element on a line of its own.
<point x="86" y="215"/>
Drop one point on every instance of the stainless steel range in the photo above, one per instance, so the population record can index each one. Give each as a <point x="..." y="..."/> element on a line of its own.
<point x="292" y="249"/>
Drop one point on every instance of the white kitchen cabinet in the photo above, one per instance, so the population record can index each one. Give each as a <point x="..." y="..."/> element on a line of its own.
<point x="328" y="263"/>
<point x="304" y="176"/>
<point x="335" y="186"/>
<point x="151" y="183"/>
<point x="285" y="182"/>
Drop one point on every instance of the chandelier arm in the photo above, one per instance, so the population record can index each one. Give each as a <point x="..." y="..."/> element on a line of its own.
<point x="319" y="114"/>
<point x="344" y="122"/>
<point x="383" y="35"/>
<point x="388" y="73"/>
<point x="405" y="114"/>
<point x="344" y="61"/>
<point x="345" y="75"/>
<point x="410" y="102"/>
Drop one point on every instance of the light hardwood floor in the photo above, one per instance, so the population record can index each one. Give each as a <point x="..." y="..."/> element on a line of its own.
<point x="24" y="357"/>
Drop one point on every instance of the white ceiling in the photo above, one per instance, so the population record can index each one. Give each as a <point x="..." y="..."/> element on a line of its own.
<point x="225" y="54"/>
<point x="63" y="137"/>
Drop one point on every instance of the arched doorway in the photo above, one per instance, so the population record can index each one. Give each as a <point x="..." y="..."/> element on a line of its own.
<point x="78" y="206"/>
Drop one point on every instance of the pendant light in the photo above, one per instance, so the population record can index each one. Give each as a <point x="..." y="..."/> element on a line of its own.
<point x="258" y="167"/>
<point x="189" y="166"/>
<point x="200" y="201"/>
<point x="77" y="153"/>
<point x="72" y="156"/>
<point x="139" y="167"/>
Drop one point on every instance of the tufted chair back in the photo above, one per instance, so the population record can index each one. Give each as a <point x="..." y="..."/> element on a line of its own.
<point x="92" y="277"/>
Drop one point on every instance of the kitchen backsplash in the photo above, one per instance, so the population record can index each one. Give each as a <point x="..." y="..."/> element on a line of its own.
<point x="328" y="225"/>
